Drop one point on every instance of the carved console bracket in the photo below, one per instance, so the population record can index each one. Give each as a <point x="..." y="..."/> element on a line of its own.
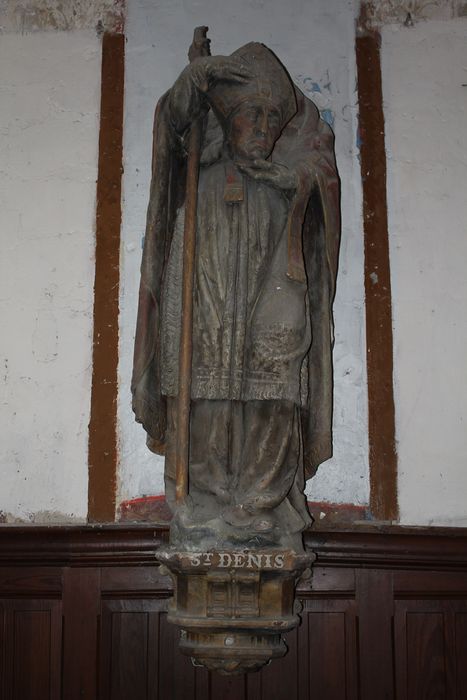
<point x="233" y="606"/>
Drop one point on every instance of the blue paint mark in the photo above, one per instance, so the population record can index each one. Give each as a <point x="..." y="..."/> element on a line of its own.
<point x="359" y="139"/>
<point x="328" y="117"/>
<point x="310" y="85"/>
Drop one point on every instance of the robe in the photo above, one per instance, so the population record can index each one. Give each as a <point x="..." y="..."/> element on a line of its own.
<point x="254" y="351"/>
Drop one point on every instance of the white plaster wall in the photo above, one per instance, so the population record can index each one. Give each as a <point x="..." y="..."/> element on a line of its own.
<point x="49" y="107"/>
<point x="425" y="100"/>
<point x="316" y="43"/>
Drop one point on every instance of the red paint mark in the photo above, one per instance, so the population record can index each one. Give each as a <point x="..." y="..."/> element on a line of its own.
<point x="145" y="509"/>
<point x="155" y="509"/>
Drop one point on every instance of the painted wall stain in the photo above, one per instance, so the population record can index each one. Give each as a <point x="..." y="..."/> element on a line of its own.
<point x="28" y="16"/>
<point x="43" y="517"/>
<point x="408" y="12"/>
<point x="319" y="90"/>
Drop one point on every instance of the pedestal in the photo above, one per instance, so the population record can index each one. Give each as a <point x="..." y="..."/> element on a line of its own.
<point x="233" y="606"/>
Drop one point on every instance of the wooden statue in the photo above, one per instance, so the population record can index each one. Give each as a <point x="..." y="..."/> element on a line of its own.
<point x="232" y="374"/>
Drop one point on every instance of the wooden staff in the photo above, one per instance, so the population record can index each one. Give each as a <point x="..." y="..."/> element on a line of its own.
<point x="199" y="47"/>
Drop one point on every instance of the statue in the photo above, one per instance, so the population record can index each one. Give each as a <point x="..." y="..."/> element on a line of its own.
<point x="262" y="201"/>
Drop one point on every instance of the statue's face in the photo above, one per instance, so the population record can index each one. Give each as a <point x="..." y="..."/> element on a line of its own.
<point x="253" y="131"/>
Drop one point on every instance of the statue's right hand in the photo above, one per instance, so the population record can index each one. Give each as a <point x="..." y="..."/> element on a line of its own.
<point x="195" y="81"/>
<point x="206" y="71"/>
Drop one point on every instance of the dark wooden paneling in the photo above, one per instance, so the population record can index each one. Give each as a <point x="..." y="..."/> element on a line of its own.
<point x="104" y="546"/>
<point x="280" y="678"/>
<point x="460" y="631"/>
<point x="135" y="581"/>
<point x="81" y="594"/>
<point x="131" y="649"/>
<point x="31" y="649"/>
<point x="327" y="641"/>
<point x="409" y="549"/>
<point x="332" y="644"/>
<point x="229" y="688"/>
<point x="32" y="581"/>
<point x="176" y="674"/>
<point x="423" y="584"/>
<point x="426" y="655"/>
<point x="129" y="654"/>
<point x="374" y="591"/>
<point x="139" y="652"/>
<point x="385" y="616"/>
<point x="404" y="549"/>
<point x="430" y="648"/>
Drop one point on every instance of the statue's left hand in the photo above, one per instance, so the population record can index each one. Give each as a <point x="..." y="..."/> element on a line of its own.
<point x="274" y="174"/>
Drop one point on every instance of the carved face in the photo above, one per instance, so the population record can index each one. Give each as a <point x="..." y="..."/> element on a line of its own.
<point x="253" y="131"/>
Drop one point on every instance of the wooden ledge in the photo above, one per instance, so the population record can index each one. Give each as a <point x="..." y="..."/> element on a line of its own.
<point x="391" y="547"/>
<point x="378" y="547"/>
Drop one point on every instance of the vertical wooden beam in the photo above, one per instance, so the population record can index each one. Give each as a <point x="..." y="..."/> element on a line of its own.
<point x="81" y="609"/>
<point x="374" y="596"/>
<point x="381" y="418"/>
<point x="103" y="421"/>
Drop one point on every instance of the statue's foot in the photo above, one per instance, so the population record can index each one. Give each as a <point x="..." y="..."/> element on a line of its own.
<point x="222" y="495"/>
<point x="263" y="524"/>
<point x="240" y="516"/>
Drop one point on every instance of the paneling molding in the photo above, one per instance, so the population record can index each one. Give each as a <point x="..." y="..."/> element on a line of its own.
<point x="390" y="547"/>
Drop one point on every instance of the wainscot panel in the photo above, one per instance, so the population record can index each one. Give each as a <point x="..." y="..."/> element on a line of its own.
<point x="83" y="613"/>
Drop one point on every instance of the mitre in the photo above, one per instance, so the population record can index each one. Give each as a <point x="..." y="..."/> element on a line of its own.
<point x="269" y="83"/>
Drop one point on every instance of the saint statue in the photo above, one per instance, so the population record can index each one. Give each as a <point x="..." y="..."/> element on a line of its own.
<point x="267" y="238"/>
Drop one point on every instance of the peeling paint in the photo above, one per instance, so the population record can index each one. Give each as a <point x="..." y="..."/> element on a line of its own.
<point x="319" y="90"/>
<point x="26" y="16"/>
<point x="43" y="517"/>
<point x="408" y="12"/>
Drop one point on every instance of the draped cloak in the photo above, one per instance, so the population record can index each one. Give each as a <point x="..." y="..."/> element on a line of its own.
<point x="305" y="257"/>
